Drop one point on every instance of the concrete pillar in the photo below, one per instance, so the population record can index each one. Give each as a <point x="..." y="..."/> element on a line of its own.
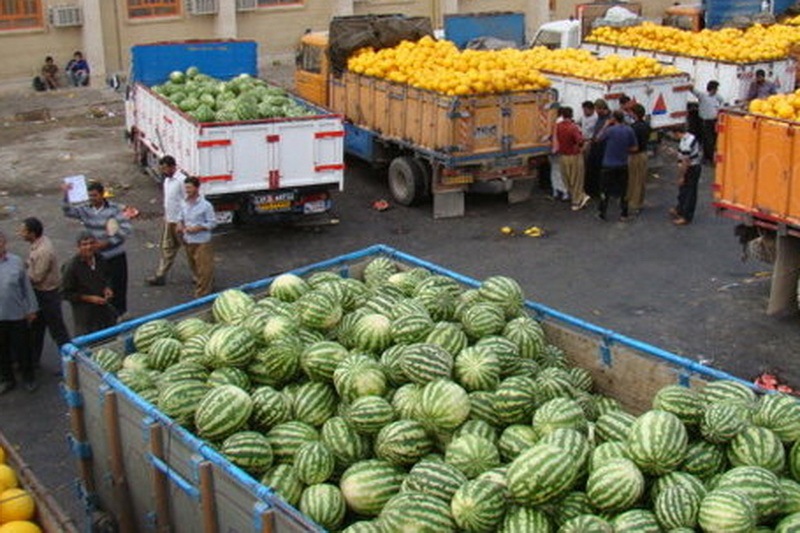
<point x="225" y="23"/>
<point x="341" y="8"/>
<point x="93" y="49"/>
<point x="537" y="12"/>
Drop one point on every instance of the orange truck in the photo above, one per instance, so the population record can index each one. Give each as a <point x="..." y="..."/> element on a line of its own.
<point x="757" y="183"/>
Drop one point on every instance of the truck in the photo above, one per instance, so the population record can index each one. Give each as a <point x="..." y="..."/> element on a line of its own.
<point x="434" y="145"/>
<point x="757" y="183"/>
<point x="281" y="169"/>
<point x="144" y="471"/>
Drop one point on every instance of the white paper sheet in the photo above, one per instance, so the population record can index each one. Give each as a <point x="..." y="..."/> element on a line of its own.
<point x="77" y="192"/>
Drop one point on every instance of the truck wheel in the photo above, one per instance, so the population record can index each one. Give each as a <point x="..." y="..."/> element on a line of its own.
<point x="406" y="181"/>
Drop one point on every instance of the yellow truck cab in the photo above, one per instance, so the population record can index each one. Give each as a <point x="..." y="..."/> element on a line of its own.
<point x="311" y="71"/>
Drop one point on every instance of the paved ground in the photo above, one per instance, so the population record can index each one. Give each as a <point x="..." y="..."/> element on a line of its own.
<point x="683" y="289"/>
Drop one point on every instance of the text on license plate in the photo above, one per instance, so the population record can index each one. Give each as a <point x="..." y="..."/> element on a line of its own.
<point x="281" y="205"/>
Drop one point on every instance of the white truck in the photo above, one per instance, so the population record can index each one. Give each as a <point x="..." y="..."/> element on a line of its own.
<point x="282" y="169"/>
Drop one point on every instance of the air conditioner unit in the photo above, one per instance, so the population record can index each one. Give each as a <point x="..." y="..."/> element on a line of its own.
<point x="201" y="7"/>
<point x="246" y="5"/>
<point x="65" y="16"/>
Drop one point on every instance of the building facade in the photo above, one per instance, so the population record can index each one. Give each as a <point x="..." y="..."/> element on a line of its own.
<point x="105" y="30"/>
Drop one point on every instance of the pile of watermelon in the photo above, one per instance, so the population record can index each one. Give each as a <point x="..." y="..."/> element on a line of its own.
<point x="208" y="99"/>
<point x="402" y="402"/>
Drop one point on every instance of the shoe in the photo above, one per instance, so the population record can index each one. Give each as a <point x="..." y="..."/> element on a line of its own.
<point x="156" y="281"/>
<point x="625" y="218"/>
<point x="680" y="221"/>
<point x="601" y="216"/>
<point x="673" y="212"/>
<point x="575" y="207"/>
<point x="584" y="202"/>
<point x="31" y="386"/>
<point x="6" y="386"/>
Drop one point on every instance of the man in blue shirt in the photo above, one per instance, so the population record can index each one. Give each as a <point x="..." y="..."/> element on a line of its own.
<point x="620" y="142"/>
<point x="197" y="221"/>
<point x="78" y="70"/>
<point x="17" y="310"/>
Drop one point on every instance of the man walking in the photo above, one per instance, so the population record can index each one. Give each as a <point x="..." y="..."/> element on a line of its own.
<point x="173" y="203"/>
<point x="87" y="287"/>
<point x="105" y="221"/>
<point x="689" y="159"/>
<point x="620" y="141"/>
<point x="45" y="275"/>
<point x="709" y="104"/>
<point x="570" y="144"/>
<point x="197" y="221"/>
<point x="637" y="162"/>
<point x="17" y="310"/>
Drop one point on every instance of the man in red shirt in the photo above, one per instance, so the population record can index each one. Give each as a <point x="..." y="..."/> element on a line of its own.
<point x="570" y="142"/>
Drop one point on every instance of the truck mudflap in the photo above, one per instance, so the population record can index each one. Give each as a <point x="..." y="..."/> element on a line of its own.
<point x="135" y="451"/>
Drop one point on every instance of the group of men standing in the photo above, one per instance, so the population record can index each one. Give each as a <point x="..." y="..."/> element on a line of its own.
<point x="94" y="281"/>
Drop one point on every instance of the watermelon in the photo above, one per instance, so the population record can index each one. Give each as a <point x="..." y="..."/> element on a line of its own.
<point x="477" y="369"/>
<point x="704" y="459"/>
<point x="657" y="442"/>
<point x="364" y="526"/>
<point x="324" y="504"/>
<point x="403" y="442"/>
<point x="437" y="478"/>
<point x="372" y="333"/>
<point x="278" y="327"/>
<point x="183" y="370"/>
<point x="573" y="504"/>
<point x="107" y="359"/>
<point x="286" y="438"/>
<point x="722" y="422"/>
<point x="368" y="485"/>
<point x="506" y="352"/>
<point x="423" y="362"/>
<point x="378" y="271"/>
<point x="416" y="511"/>
<point x="368" y="414"/>
<point x="359" y="375"/>
<point x="521" y="519"/>
<point x="135" y="379"/>
<point x="635" y="521"/>
<point x="761" y="487"/>
<point x="478" y="428"/>
<point x="726" y="391"/>
<point x="314" y="462"/>
<point x="472" y="455"/>
<point x="230" y="346"/>
<point x="288" y="287"/>
<point x="515" y="400"/>
<point x="790" y="524"/>
<point x="284" y="481"/>
<point x="390" y="360"/>
<point x="231" y="306"/>
<point x="248" y="450"/>
<point x="222" y="412"/>
<point x="677" y="507"/>
<point x="790" y="502"/>
<point x="439" y="303"/>
<point x="541" y="474"/>
<point x="148" y="332"/>
<point x="503" y="291"/>
<point x="571" y="440"/>
<point x="449" y="336"/>
<point x="179" y="399"/>
<point x="559" y="413"/>
<point x="314" y="403"/>
<point x="682" y="402"/>
<point x="581" y="378"/>
<point x="478" y="506"/>
<point x="404" y="400"/>
<point x="346" y="444"/>
<point x="554" y="383"/>
<point x="515" y="439"/>
<point x="616" y="485"/>
<point x="794" y="461"/>
<point x="270" y="408"/>
<point x="586" y="523"/>
<point x="194" y="349"/>
<point x="482" y="406"/>
<point x="228" y="375"/>
<point x="781" y="414"/>
<point x="726" y="510"/>
<point x="443" y="406"/>
<point x="277" y="364"/>
<point x="608" y="450"/>
<point x="527" y="334"/>
<point x="679" y="479"/>
<point x="757" y="446"/>
<point x="318" y="310"/>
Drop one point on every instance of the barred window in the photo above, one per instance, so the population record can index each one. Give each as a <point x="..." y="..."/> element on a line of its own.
<point x="20" y="14"/>
<point x="153" y="8"/>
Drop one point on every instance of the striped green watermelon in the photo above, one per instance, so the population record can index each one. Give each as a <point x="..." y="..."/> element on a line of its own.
<point x="346" y="444"/>
<point x="683" y="402"/>
<point x="482" y="319"/>
<point x="657" y="442"/>
<point x="678" y="479"/>
<point x="409" y="328"/>
<point x="503" y="291"/>
<point x="581" y="378"/>
<point x="248" y="450"/>
<point x="255" y="322"/>
<point x="137" y="380"/>
<point x="757" y="446"/>
<point x="324" y="504"/>
<point x="107" y="359"/>
<point x="559" y="413"/>
<point x="148" y="332"/>
<point x="222" y="412"/>
<point x="179" y="399"/>
<point x="515" y="439"/>
<point x="230" y="346"/>
<point x="228" y="375"/>
<point x="781" y="414"/>
<point x="423" y="362"/>
<point x="449" y="336"/>
<point x="472" y="455"/>
<point x="761" y="486"/>
<point x="437" y="478"/>
<point x="318" y="310"/>
<point x="372" y="333"/>
<point x="416" y="511"/>
<point x="552" y="356"/>
<point x="724" y="391"/>
<point x="407" y="281"/>
<point x="606" y="451"/>
<point x="402" y="443"/>
<point x="554" y="382"/>
<point x="541" y="474"/>
<point x="364" y="526"/>
<point x="314" y="403"/>
<point x="283" y="480"/>
<point x="586" y="523"/>
<point x="789" y="524"/>
<point x="278" y="327"/>
<point x="443" y="406"/>
<point x="790" y="501"/>
<point x="368" y="485"/>
<point x="356" y="293"/>
<point x="378" y="271"/>
<point x="722" y="422"/>
<point x="404" y="400"/>
<point x="482" y="406"/>
<point x="314" y="462"/>
<point x="677" y="507"/>
<point x="728" y="511"/>
<point x="436" y="283"/>
<point x="515" y="400"/>
<point x="287" y="437"/>
<point x="324" y="276"/>
<point x="270" y="408"/>
<point x="794" y="461"/>
<point x="408" y="306"/>
<point x="275" y="307"/>
<point x="636" y="521"/>
<point x="149" y="395"/>
<point x="464" y="300"/>
<point x="521" y="519"/>
<point x="704" y="459"/>
<point x="231" y="306"/>
<point x="368" y="414"/>
<point x="390" y="361"/>
<point x="288" y="287"/>
<point x="505" y="350"/>
<point x="573" y="441"/>
<point x="277" y="364"/>
<point x="477" y="368"/>
<point x="359" y="375"/>
<point x="573" y="504"/>
<point x="478" y="506"/>
<point x="163" y="353"/>
<point x="183" y="370"/>
<point x="383" y="302"/>
<point x="615" y="485"/>
<point x="194" y="349"/>
<point x="605" y="405"/>
<point x="479" y="428"/>
<point x="527" y="334"/>
<point x="189" y="327"/>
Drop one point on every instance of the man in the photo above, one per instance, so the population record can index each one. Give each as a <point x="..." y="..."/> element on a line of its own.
<point x="709" y="104"/>
<point x="78" y="70"/>
<point x="557" y="185"/>
<point x="570" y="144"/>
<point x="637" y="161"/>
<point x="87" y="287"/>
<point x="105" y="221"/>
<point x="197" y="221"/>
<point x="626" y="104"/>
<point x="588" y="121"/>
<point x="761" y="88"/>
<point x="173" y="202"/>
<point x="50" y="73"/>
<point x="689" y="159"/>
<point x="594" y="157"/>
<point x="45" y="275"/>
<point x="619" y="142"/>
<point x="17" y="311"/>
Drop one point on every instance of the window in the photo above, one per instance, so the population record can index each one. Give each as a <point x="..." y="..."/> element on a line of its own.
<point x="309" y="58"/>
<point x="152" y="8"/>
<point x="19" y="14"/>
<point x="267" y="3"/>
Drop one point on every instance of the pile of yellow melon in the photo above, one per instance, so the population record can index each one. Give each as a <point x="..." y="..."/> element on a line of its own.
<point x="793" y="21"/>
<point x="756" y="43"/>
<point x="784" y="106"/>
<point x="17" y="507"/>
<point x="438" y="65"/>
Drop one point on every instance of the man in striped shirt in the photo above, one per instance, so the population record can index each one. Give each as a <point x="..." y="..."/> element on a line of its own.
<point x="109" y="226"/>
<point x="690" y="157"/>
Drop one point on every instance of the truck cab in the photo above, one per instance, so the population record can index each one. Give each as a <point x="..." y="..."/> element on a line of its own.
<point x="558" y="34"/>
<point x="311" y="72"/>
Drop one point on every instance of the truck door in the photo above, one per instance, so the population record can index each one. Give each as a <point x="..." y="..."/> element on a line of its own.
<point x="311" y="69"/>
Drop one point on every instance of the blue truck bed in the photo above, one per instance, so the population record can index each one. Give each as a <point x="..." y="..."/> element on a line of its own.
<point x="152" y="63"/>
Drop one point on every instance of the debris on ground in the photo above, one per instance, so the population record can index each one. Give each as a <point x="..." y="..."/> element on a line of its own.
<point x="380" y="205"/>
<point x="770" y="381"/>
<point x="532" y="231"/>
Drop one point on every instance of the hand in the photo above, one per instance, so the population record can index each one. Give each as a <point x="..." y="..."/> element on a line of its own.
<point x="30" y="317"/>
<point x="65" y="188"/>
<point x="102" y="244"/>
<point x="108" y="293"/>
<point x="681" y="181"/>
<point x="96" y="300"/>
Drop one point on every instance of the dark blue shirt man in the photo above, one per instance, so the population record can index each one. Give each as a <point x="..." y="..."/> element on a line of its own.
<point x="620" y="141"/>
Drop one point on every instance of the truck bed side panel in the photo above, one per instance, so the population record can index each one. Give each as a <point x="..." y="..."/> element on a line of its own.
<point x="152" y="63"/>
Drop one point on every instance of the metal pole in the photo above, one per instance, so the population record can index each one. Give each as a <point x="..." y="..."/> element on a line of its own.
<point x="127" y="523"/>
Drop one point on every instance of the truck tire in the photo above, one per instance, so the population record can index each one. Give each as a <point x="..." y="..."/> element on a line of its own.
<point x="406" y="181"/>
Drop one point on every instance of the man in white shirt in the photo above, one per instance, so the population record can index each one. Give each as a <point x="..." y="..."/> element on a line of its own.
<point x="174" y="197"/>
<point x="709" y="104"/>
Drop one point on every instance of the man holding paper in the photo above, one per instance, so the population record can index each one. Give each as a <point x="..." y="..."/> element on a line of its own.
<point x="106" y="222"/>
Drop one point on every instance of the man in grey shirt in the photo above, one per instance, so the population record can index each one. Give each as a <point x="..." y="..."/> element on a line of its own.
<point x="17" y="310"/>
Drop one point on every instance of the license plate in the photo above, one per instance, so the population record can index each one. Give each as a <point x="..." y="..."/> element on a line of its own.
<point x="270" y="207"/>
<point x="224" y="217"/>
<point x="317" y="206"/>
